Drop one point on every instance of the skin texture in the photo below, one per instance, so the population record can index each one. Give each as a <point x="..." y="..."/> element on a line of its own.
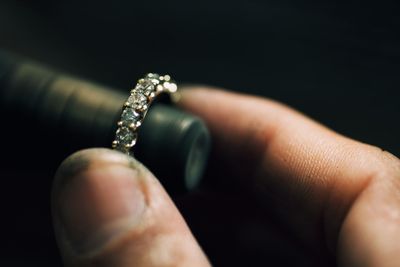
<point x="336" y="197"/>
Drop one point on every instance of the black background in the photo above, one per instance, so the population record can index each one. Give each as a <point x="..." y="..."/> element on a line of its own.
<point x="337" y="62"/>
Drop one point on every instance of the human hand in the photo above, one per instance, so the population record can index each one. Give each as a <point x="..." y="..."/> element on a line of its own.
<point x="337" y="198"/>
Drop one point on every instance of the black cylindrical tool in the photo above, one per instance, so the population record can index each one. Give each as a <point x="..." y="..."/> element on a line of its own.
<point x="78" y="114"/>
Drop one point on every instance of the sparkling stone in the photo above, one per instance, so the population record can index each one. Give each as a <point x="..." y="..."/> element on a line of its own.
<point x="147" y="87"/>
<point x="125" y="137"/>
<point x="129" y="115"/>
<point x="153" y="76"/>
<point x="170" y="87"/>
<point x="137" y="100"/>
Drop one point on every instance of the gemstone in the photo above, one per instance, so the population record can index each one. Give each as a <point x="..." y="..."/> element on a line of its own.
<point x="137" y="100"/>
<point x="146" y="86"/>
<point x="170" y="87"/>
<point x="129" y="115"/>
<point x="153" y="76"/>
<point x="125" y="137"/>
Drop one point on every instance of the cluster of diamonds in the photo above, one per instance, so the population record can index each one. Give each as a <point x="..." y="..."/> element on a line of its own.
<point x="135" y="108"/>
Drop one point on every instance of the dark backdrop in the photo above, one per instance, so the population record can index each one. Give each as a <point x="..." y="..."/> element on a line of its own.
<point x="337" y="62"/>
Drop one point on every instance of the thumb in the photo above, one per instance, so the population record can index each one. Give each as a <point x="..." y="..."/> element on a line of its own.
<point x="109" y="210"/>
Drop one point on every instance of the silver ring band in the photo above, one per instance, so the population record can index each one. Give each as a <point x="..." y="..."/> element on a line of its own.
<point x="135" y="108"/>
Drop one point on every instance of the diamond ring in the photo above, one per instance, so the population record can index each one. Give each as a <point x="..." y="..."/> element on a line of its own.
<point x="135" y="108"/>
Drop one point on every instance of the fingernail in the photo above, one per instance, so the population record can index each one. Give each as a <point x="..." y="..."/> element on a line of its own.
<point x="98" y="195"/>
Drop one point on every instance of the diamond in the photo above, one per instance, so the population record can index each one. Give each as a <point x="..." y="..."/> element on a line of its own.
<point x="138" y="100"/>
<point x="125" y="137"/>
<point x="146" y="86"/>
<point x="170" y="87"/>
<point x="153" y="76"/>
<point x="129" y="116"/>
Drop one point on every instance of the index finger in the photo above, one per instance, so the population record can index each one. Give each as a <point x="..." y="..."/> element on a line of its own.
<point x="307" y="173"/>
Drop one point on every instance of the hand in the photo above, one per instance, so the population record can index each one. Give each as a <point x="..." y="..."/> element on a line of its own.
<point x="333" y="198"/>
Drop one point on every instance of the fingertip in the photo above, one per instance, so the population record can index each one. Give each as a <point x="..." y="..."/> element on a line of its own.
<point x="81" y="160"/>
<point x="109" y="210"/>
<point x="97" y="195"/>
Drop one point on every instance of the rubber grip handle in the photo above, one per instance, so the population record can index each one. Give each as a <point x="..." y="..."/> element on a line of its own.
<point x="173" y="144"/>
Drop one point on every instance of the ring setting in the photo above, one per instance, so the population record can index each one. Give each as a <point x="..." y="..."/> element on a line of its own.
<point x="135" y="108"/>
